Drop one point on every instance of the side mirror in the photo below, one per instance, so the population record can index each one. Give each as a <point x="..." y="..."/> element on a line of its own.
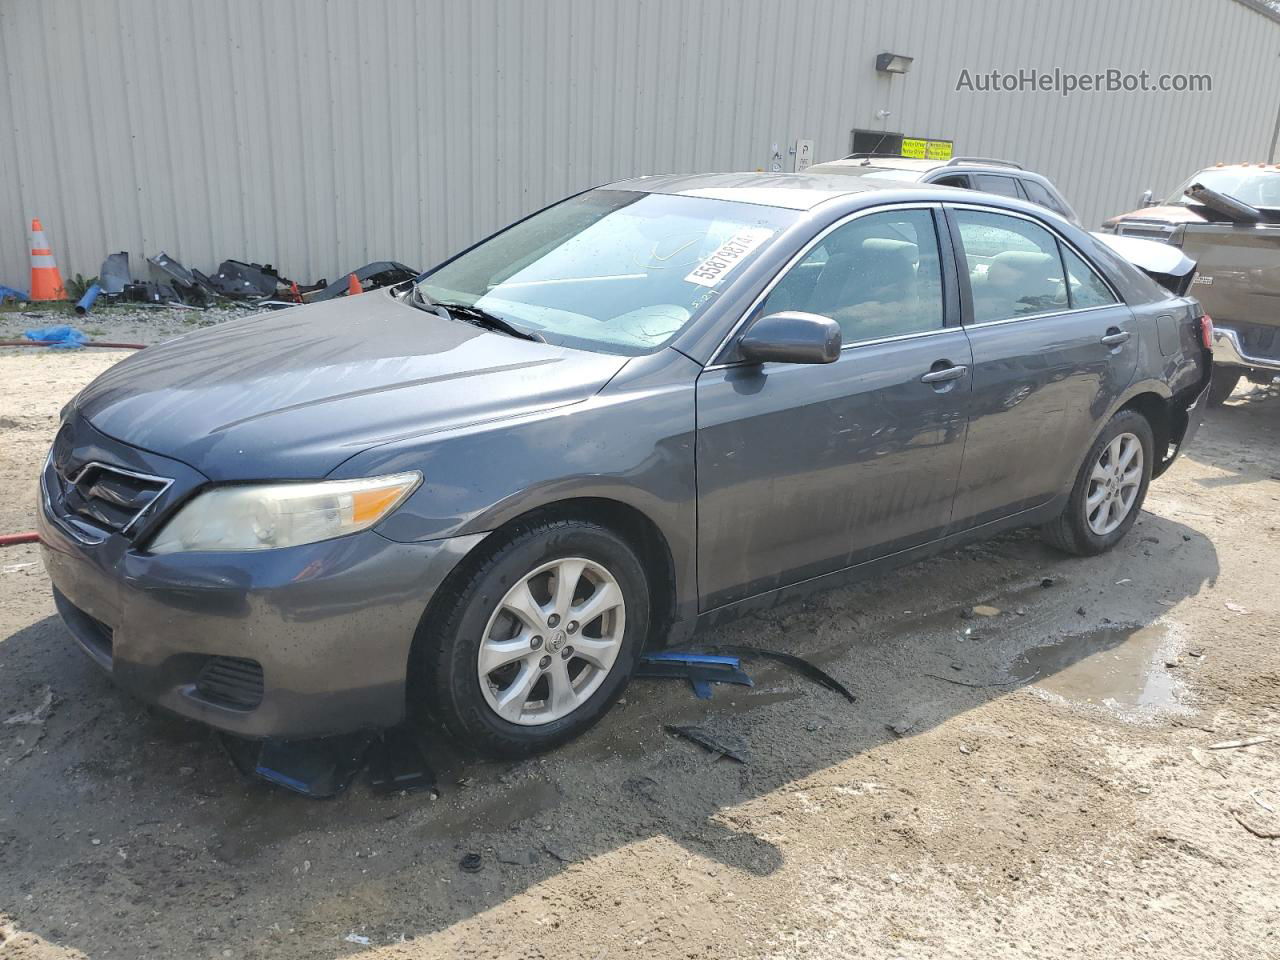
<point x="791" y="337"/>
<point x="1148" y="199"/>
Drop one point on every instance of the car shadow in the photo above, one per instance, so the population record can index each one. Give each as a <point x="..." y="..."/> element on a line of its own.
<point x="1250" y="420"/>
<point x="114" y="816"/>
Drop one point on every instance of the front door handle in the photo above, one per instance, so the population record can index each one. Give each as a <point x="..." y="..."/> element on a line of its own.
<point x="1115" y="337"/>
<point x="945" y="374"/>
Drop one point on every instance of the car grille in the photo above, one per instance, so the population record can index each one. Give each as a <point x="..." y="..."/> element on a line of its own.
<point x="107" y="497"/>
<point x="231" y="682"/>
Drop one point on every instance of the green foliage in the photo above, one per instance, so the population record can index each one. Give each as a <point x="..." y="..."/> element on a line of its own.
<point x="78" y="286"/>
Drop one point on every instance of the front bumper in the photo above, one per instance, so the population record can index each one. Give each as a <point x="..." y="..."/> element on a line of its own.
<point x="329" y="625"/>
<point x="1228" y="349"/>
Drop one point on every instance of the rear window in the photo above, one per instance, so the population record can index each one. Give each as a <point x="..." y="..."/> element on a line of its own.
<point x="993" y="183"/>
<point x="1038" y="194"/>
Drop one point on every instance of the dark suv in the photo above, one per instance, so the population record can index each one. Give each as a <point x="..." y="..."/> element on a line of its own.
<point x="1002" y="177"/>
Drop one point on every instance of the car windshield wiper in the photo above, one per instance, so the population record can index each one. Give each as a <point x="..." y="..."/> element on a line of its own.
<point x="471" y="314"/>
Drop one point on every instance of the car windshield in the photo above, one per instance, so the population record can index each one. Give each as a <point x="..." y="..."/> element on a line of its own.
<point x="609" y="270"/>
<point x="1257" y="188"/>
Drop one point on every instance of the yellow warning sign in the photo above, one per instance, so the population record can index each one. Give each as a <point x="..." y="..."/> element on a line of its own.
<point x="920" y="149"/>
<point x="913" y="148"/>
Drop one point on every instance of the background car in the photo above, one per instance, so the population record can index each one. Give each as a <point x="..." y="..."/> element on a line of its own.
<point x="1001" y="177"/>
<point x="1226" y="218"/>
<point x="477" y="497"/>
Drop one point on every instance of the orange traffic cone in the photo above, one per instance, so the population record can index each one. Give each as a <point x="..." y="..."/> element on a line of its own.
<point x="353" y="285"/>
<point x="46" y="281"/>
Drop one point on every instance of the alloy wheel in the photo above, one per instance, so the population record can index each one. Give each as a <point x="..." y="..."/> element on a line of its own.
<point x="551" y="641"/>
<point x="1113" y="484"/>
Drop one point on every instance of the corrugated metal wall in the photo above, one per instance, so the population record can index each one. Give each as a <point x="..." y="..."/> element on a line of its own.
<point x="319" y="134"/>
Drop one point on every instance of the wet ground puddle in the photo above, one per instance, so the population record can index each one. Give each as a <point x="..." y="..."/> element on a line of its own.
<point x="1117" y="667"/>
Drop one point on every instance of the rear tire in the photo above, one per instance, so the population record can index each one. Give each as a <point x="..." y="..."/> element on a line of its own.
<point x="1109" y="489"/>
<point x="1224" y="382"/>
<point x="498" y="666"/>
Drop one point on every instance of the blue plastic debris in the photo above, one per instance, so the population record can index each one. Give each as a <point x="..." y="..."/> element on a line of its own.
<point x="9" y="293"/>
<point x="59" y="338"/>
<point x="700" y="669"/>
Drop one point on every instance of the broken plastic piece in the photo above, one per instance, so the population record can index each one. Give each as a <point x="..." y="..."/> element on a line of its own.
<point x="245" y="280"/>
<point x="191" y="285"/>
<point x="114" y="275"/>
<point x="399" y="762"/>
<point x="798" y="664"/>
<point x="314" y="768"/>
<point x="700" y="669"/>
<point x="709" y="741"/>
<point x="380" y="273"/>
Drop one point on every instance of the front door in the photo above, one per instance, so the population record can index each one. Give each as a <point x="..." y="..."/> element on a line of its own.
<point x="806" y="469"/>
<point x="1053" y="348"/>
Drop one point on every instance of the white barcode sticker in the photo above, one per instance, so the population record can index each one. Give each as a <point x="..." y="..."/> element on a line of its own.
<point x="728" y="255"/>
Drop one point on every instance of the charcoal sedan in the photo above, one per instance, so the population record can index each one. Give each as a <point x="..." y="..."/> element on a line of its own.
<point x="474" y="499"/>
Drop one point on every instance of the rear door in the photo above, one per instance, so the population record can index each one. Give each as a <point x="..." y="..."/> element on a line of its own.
<point x="806" y="469"/>
<point x="1053" y="347"/>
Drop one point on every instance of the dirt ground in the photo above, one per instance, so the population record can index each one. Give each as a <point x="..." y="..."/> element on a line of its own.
<point x="1053" y="780"/>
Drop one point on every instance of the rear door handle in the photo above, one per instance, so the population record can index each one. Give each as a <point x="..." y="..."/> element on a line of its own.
<point x="945" y="374"/>
<point x="1115" y="337"/>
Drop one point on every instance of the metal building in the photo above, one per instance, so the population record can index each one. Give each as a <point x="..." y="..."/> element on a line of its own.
<point x="319" y="134"/>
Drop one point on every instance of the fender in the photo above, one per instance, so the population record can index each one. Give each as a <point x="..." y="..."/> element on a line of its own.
<point x="1136" y="389"/>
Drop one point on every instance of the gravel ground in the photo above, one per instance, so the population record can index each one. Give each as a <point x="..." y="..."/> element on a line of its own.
<point x="1039" y="782"/>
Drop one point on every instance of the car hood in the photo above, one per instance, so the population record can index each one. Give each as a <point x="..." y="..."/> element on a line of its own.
<point x="292" y="394"/>
<point x="1167" y="213"/>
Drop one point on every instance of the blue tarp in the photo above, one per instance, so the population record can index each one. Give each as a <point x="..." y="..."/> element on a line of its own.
<point x="60" y="337"/>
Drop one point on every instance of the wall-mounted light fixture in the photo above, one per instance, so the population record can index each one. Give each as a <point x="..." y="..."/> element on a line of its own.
<point x="893" y="63"/>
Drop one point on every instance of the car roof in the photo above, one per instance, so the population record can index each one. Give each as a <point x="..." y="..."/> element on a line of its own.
<point x="906" y="164"/>
<point x="793" y="191"/>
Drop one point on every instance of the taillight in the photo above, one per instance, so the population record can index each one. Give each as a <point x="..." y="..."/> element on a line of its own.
<point x="1206" y="331"/>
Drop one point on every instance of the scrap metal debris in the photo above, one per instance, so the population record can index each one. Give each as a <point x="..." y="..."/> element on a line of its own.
<point x="709" y="741"/>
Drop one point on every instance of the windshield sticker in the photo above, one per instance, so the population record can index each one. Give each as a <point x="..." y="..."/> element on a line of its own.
<point x="732" y="252"/>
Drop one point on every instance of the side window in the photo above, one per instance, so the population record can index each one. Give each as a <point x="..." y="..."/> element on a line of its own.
<point x="1085" y="287"/>
<point x="955" y="180"/>
<point x="1038" y="194"/>
<point x="993" y="183"/>
<point x="877" y="276"/>
<point x="1014" y="266"/>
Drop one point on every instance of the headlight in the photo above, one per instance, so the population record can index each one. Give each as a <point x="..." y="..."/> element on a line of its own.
<point x="265" y="516"/>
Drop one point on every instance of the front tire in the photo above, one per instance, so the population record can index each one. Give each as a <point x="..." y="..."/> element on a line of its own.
<point x="1109" y="489"/>
<point x="541" y="639"/>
